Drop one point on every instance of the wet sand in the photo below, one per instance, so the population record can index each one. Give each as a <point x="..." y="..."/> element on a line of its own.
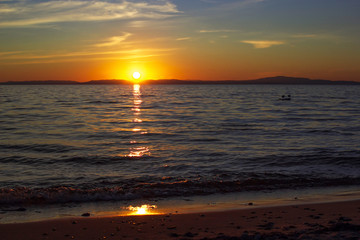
<point x="339" y="220"/>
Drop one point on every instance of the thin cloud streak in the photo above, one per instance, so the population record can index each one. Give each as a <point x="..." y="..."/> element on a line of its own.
<point x="47" y="61"/>
<point x="27" y="13"/>
<point x="217" y="31"/>
<point x="183" y="39"/>
<point x="231" y="6"/>
<point x="112" y="41"/>
<point x="263" y="44"/>
<point x="304" y="36"/>
<point x="16" y="58"/>
<point x="10" y="53"/>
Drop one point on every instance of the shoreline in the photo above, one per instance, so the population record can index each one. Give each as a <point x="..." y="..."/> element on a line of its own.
<point x="313" y="220"/>
<point x="179" y="205"/>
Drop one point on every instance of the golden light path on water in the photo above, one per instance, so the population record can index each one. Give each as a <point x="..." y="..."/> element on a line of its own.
<point x="136" y="150"/>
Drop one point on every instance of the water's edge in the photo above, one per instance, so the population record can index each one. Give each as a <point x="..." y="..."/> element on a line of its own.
<point x="180" y="205"/>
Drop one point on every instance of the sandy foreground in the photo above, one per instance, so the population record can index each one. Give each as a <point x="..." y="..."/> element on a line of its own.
<point x="340" y="220"/>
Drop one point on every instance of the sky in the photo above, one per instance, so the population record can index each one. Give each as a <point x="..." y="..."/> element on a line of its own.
<point x="179" y="39"/>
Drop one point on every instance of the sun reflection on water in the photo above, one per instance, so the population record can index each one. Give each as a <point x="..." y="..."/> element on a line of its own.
<point x="137" y="102"/>
<point x="136" y="150"/>
<point x="136" y="109"/>
<point x="136" y="120"/>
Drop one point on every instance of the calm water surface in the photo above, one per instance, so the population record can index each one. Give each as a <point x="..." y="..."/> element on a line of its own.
<point x="116" y="142"/>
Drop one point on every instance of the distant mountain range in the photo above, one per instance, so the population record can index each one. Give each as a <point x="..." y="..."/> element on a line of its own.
<point x="268" y="80"/>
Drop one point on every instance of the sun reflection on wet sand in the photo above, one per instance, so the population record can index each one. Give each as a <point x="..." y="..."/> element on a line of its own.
<point x="137" y="151"/>
<point x="142" y="210"/>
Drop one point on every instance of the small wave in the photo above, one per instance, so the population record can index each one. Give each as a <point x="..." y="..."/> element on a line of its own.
<point x="322" y="131"/>
<point x="8" y="129"/>
<point x="205" y="140"/>
<point x="168" y="187"/>
<point x="71" y="160"/>
<point x="23" y="195"/>
<point x="102" y="102"/>
<point x="99" y="160"/>
<point x="18" y="159"/>
<point x="42" y="148"/>
<point x="314" y="157"/>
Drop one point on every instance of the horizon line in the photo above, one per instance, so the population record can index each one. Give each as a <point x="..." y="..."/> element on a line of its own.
<point x="266" y="80"/>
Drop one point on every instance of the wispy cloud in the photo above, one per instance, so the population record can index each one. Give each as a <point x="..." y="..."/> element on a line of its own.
<point x="98" y="58"/>
<point x="183" y="39"/>
<point x="209" y="1"/>
<point x="263" y="44"/>
<point x="221" y="6"/>
<point x="235" y="2"/>
<point x="31" y="57"/>
<point x="27" y="13"/>
<point x="305" y="36"/>
<point x="112" y="41"/>
<point x="10" y="53"/>
<point x="217" y="31"/>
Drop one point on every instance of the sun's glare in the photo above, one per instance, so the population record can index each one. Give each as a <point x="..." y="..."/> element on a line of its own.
<point x="136" y="75"/>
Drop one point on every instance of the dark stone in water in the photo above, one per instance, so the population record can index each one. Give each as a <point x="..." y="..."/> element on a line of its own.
<point x="14" y="210"/>
<point x="174" y="235"/>
<point x="85" y="215"/>
<point x="187" y="200"/>
<point x="267" y="226"/>
<point x="190" y="234"/>
<point x="340" y="226"/>
<point x="345" y="219"/>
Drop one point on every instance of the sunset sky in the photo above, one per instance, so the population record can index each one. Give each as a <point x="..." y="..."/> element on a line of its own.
<point x="182" y="39"/>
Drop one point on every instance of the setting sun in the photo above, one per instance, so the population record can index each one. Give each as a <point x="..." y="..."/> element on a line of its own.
<point x="136" y="75"/>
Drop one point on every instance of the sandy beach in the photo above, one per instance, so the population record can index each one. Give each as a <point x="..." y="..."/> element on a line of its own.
<point x="337" y="220"/>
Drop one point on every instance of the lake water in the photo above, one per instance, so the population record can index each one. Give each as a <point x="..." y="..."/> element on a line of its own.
<point x="93" y="143"/>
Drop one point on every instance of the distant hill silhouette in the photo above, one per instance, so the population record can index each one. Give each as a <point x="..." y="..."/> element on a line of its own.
<point x="45" y="82"/>
<point x="268" y="80"/>
<point x="113" y="81"/>
<point x="294" y="80"/>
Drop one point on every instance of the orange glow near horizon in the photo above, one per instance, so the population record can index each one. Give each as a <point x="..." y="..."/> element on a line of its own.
<point x="150" y="70"/>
